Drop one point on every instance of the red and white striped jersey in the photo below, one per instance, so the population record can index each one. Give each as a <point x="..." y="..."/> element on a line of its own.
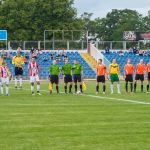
<point x="4" y="72"/>
<point x="33" y="68"/>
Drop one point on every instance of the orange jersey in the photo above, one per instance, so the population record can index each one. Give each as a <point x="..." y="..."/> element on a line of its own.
<point x="101" y="70"/>
<point x="148" y="67"/>
<point x="128" y="69"/>
<point x="140" y="69"/>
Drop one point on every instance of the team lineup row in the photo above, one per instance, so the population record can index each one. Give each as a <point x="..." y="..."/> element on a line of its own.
<point x="73" y="73"/>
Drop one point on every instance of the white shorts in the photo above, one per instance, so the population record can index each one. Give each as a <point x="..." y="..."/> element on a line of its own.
<point x="34" y="79"/>
<point x="5" y="80"/>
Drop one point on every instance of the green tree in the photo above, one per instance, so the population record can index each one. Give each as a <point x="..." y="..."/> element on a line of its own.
<point x="27" y="19"/>
<point x="111" y="27"/>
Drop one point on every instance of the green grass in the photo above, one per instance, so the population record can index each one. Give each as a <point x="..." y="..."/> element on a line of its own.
<point x="74" y="122"/>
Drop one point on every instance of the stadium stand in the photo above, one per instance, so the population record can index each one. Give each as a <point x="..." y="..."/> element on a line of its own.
<point x="44" y="60"/>
<point x="123" y="56"/>
<point x="90" y="60"/>
<point x="120" y="55"/>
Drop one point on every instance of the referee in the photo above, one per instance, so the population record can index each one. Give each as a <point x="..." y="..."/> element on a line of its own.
<point x="67" y="69"/>
<point x="18" y="62"/>
<point x="54" y="76"/>
<point x="77" y="71"/>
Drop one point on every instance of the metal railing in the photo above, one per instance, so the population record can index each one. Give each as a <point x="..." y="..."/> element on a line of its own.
<point x="49" y="45"/>
<point x="74" y="45"/>
<point x="122" y="45"/>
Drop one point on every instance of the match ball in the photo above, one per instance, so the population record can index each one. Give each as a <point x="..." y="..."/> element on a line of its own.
<point x="78" y="92"/>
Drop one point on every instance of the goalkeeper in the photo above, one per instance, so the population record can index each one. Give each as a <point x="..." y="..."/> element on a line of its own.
<point x="18" y="62"/>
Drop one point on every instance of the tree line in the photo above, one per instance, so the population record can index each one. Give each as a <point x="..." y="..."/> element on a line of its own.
<point x="27" y="19"/>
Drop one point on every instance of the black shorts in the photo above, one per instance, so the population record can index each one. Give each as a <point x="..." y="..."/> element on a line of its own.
<point x="101" y="79"/>
<point x="18" y="71"/>
<point x="67" y="78"/>
<point x="54" y="79"/>
<point x="129" y="78"/>
<point x="148" y="76"/>
<point x="77" y="78"/>
<point x="139" y="77"/>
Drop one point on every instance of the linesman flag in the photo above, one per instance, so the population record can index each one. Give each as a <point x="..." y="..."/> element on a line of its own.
<point x="50" y="87"/>
<point x="84" y="86"/>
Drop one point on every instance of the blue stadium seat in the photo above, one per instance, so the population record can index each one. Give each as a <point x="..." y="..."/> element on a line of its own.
<point x="121" y="60"/>
<point x="44" y="65"/>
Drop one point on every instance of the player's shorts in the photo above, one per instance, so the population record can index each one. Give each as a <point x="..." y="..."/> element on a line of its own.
<point x="67" y="78"/>
<point x="101" y="79"/>
<point x="139" y="77"/>
<point x="54" y="79"/>
<point x="34" y="79"/>
<point x="5" y="80"/>
<point x="18" y="71"/>
<point x="129" y="78"/>
<point x="148" y="76"/>
<point x="114" y="77"/>
<point x="77" y="78"/>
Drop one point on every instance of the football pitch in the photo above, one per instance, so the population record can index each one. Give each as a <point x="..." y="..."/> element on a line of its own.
<point x="74" y="122"/>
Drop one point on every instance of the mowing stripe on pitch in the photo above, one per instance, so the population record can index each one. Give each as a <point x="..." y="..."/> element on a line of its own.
<point x="109" y="98"/>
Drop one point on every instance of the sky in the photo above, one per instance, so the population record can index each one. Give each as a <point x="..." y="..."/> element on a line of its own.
<point x="100" y="8"/>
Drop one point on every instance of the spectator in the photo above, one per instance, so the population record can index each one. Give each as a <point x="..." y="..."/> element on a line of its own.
<point x="58" y="53"/>
<point x="140" y="53"/>
<point x="34" y="55"/>
<point x="51" y="56"/>
<point x="4" y="54"/>
<point x="107" y="50"/>
<point x="58" y="58"/>
<point x="19" y="49"/>
<point x="32" y="50"/>
<point x="63" y="53"/>
<point x="65" y="57"/>
<point x="130" y="50"/>
<point x="10" y="49"/>
<point x="9" y="55"/>
<point x="145" y="53"/>
<point x="121" y="53"/>
<point x="27" y="55"/>
<point x="40" y="51"/>
<point x="134" y="50"/>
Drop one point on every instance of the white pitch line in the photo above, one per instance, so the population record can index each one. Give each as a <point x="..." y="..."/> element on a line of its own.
<point x="117" y="99"/>
<point x="110" y="98"/>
